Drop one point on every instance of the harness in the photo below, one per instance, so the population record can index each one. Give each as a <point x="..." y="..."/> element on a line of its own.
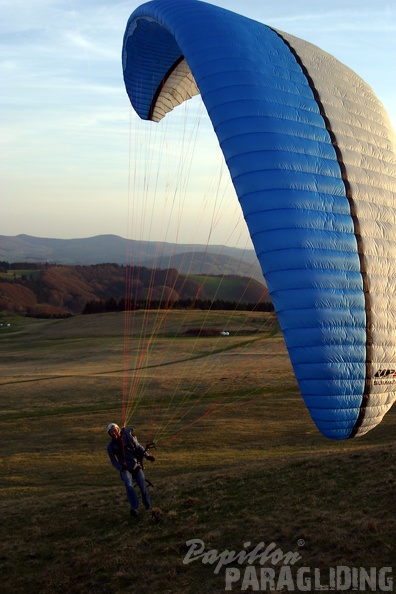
<point x="128" y="446"/>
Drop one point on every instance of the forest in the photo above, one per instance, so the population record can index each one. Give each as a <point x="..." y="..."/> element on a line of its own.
<point x="55" y="291"/>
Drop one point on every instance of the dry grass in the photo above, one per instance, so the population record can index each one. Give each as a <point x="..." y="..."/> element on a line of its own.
<point x="254" y="472"/>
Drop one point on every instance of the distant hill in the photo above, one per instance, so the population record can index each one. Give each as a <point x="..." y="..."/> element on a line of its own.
<point x="186" y="258"/>
<point x="56" y="290"/>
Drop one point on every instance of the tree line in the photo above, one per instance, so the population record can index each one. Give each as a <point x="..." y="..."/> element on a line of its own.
<point x="113" y="305"/>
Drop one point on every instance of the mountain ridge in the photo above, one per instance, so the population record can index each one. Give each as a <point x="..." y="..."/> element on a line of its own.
<point x="109" y="248"/>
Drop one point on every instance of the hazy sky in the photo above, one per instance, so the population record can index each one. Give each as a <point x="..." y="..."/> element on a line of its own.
<point x="68" y="135"/>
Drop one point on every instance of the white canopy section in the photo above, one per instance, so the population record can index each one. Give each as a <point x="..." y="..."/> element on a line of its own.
<point x="178" y="87"/>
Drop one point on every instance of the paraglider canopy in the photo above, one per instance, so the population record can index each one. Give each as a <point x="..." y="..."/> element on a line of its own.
<point x="311" y="154"/>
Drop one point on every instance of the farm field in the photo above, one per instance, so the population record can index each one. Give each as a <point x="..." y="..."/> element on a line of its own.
<point x="254" y="471"/>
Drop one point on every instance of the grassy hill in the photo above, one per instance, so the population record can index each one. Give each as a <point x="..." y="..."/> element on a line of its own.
<point x="256" y="470"/>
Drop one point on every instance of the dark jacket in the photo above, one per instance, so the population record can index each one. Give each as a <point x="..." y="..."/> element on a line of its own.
<point x="126" y="450"/>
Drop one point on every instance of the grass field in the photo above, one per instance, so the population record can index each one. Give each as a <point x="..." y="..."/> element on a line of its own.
<point x="255" y="472"/>
<point x="12" y="274"/>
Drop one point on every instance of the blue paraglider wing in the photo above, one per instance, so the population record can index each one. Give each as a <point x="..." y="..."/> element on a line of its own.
<point x="312" y="157"/>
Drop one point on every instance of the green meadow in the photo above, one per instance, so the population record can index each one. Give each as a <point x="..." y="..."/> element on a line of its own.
<point x="255" y="470"/>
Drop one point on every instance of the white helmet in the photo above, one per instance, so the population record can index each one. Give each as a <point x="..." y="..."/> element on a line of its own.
<point x="112" y="426"/>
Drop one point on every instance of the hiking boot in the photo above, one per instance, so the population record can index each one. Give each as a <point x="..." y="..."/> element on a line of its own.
<point x="133" y="513"/>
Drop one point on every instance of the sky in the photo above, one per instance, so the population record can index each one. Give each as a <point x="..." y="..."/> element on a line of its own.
<point x="71" y="144"/>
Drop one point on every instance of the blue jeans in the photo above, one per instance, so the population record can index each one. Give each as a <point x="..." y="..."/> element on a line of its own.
<point x="130" y="489"/>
